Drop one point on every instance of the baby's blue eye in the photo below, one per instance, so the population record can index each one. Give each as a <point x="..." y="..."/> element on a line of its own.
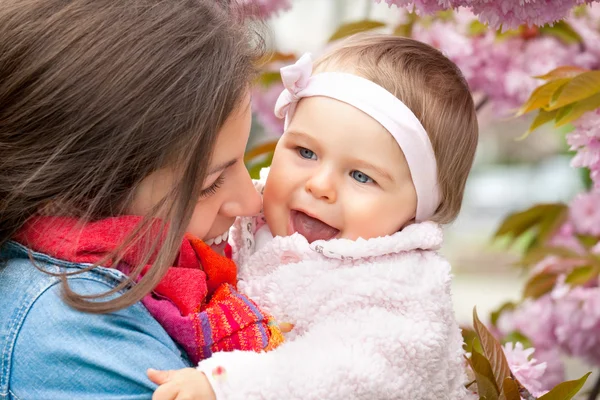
<point x="306" y="153"/>
<point x="361" y="177"/>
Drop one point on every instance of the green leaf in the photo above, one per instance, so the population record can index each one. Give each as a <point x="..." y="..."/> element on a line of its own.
<point x="502" y="35"/>
<point x="492" y="349"/>
<point x="404" y="30"/>
<point x="552" y="220"/>
<point x="563" y="31"/>
<point x="587" y="241"/>
<point x="578" y="109"/>
<point x="508" y="306"/>
<point x="546" y="218"/>
<point x="582" y="275"/>
<point x="355" y="27"/>
<point x="566" y="71"/>
<point x="580" y="11"/>
<point x="518" y="223"/>
<point x="268" y="78"/>
<point x="542" y="118"/>
<point x="486" y="383"/>
<point x="564" y="114"/>
<point x="542" y="95"/>
<point x="476" y="28"/>
<point x="539" y="285"/>
<point x="445" y="15"/>
<point x="565" y="390"/>
<point x="581" y="87"/>
<point x="470" y="340"/>
<point x="516" y="336"/>
<point x="556" y="95"/>
<point x="538" y="253"/>
<point x="510" y="389"/>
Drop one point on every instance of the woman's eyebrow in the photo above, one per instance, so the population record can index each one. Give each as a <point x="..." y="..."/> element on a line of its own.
<point x="222" y="166"/>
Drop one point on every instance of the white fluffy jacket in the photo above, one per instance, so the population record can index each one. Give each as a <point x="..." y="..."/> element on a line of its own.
<point x="373" y="319"/>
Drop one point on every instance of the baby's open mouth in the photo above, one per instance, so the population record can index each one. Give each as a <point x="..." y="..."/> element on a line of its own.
<point x="311" y="228"/>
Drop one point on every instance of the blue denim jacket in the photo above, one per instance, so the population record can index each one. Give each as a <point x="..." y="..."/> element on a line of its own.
<point x="51" y="351"/>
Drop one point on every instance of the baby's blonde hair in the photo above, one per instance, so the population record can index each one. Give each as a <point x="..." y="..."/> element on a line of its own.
<point x="434" y="89"/>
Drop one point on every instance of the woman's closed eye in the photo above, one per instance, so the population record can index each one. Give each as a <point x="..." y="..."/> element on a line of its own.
<point x="212" y="189"/>
<point x="361" y="177"/>
<point x="306" y="153"/>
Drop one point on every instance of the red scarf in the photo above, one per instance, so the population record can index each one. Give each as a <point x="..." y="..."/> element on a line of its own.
<point x="196" y="302"/>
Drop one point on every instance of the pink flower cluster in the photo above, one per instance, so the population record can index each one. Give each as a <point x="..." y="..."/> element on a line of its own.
<point x="585" y="139"/>
<point x="507" y="14"/>
<point x="528" y="371"/>
<point x="511" y="13"/>
<point x="584" y="212"/>
<point x="577" y="322"/>
<point x="422" y="6"/>
<point x="567" y="320"/>
<point x="264" y="8"/>
<point x="503" y="69"/>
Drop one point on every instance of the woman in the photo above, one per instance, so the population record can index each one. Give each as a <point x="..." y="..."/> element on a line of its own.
<point x="122" y="127"/>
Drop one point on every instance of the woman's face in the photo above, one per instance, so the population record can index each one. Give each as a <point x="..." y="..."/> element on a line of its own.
<point x="227" y="191"/>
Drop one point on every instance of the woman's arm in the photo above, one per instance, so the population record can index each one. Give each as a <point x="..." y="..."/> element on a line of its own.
<point x="61" y="353"/>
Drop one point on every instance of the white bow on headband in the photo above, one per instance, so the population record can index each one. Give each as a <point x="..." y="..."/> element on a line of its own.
<point x="380" y="105"/>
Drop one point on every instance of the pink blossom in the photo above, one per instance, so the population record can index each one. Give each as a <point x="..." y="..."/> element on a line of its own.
<point x="585" y="213"/>
<point x="263" y="105"/>
<point x="420" y="6"/>
<point x="556" y="265"/>
<point x="511" y="13"/>
<point x="506" y="13"/>
<point x="585" y="139"/>
<point x="527" y="370"/>
<point x="534" y="319"/>
<point x="577" y="317"/>
<point x="587" y="27"/>
<point x="565" y="238"/>
<point x="555" y="368"/>
<point x="264" y="8"/>
<point x="501" y="69"/>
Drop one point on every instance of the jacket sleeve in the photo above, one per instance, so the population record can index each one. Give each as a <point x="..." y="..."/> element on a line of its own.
<point x="61" y="353"/>
<point x="363" y="334"/>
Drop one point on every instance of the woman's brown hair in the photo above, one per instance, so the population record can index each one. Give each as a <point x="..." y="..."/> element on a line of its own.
<point x="435" y="90"/>
<point x="97" y="94"/>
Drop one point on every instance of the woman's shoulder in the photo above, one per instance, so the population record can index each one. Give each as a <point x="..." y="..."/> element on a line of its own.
<point x="50" y="350"/>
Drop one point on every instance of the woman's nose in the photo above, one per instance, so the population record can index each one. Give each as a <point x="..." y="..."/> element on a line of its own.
<point x="245" y="201"/>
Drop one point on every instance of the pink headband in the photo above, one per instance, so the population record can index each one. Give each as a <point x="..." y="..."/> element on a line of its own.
<point x="382" y="106"/>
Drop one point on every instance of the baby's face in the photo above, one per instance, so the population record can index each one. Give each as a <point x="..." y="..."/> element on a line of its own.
<point x="337" y="173"/>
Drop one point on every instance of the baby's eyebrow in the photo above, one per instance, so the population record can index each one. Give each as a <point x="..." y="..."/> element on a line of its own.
<point x="298" y="135"/>
<point x="383" y="172"/>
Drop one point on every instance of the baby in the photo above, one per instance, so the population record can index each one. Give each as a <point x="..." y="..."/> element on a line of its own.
<point x="379" y="138"/>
